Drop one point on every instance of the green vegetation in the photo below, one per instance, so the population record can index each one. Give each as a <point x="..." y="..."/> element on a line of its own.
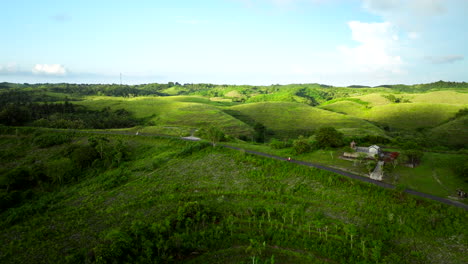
<point x="289" y="120"/>
<point x="84" y="196"/>
<point x="171" y="201"/>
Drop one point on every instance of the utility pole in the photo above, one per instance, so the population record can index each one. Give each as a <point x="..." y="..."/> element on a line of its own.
<point x="120" y="79"/>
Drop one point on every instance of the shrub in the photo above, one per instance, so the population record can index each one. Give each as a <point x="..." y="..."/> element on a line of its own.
<point x="83" y="156"/>
<point x="329" y="137"/>
<point x="49" y="140"/>
<point x="61" y="170"/>
<point x="277" y="144"/>
<point x="302" y="145"/>
<point x="16" y="179"/>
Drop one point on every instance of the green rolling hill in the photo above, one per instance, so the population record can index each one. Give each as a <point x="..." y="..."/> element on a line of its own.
<point x="292" y="119"/>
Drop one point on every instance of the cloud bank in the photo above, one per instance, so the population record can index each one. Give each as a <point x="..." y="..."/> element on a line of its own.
<point x="49" y="69"/>
<point x="378" y="43"/>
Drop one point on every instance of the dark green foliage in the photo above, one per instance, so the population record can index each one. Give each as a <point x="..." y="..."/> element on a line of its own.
<point x="83" y="156"/>
<point x="63" y="115"/>
<point x="213" y="134"/>
<point x="61" y="170"/>
<point x="260" y="132"/>
<point x="327" y="137"/>
<point x="374" y="139"/>
<point x="191" y="148"/>
<point x="14" y="115"/>
<point x="17" y="179"/>
<point x="278" y="144"/>
<point x="413" y="156"/>
<point x="302" y="145"/>
<point x="392" y="98"/>
<point x="461" y="169"/>
<point x="52" y="139"/>
<point x="460" y="113"/>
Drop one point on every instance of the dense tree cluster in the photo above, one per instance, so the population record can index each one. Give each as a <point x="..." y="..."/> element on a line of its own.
<point x="63" y="115"/>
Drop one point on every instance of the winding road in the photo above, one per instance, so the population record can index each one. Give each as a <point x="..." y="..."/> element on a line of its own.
<point x="357" y="177"/>
<point x="305" y="163"/>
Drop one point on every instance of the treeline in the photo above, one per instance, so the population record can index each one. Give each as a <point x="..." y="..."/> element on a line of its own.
<point x="63" y="115"/>
<point x="427" y="86"/>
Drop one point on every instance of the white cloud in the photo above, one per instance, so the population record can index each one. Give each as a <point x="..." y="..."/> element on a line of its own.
<point x="49" y="69"/>
<point x="9" y="68"/>
<point x="444" y="59"/>
<point x="377" y="44"/>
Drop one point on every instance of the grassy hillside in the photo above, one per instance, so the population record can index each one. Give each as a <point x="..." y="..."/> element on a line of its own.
<point x="347" y="107"/>
<point x="411" y="115"/>
<point x="178" y="111"/>
<point x="401" y="116"/>
<point x="292" y="119"/>
<point x="440" y="97"/>
<point x="452" y="133"/>
<point x="171" y="201"/>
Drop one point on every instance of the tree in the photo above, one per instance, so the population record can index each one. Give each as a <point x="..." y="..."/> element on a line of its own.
<point x="213" y="134"/>
<point x="413" y="156"/>
<point x="260" y="131"/>
<point x="100" y="144"/>
<point x="329" y="137"/>
<point x="301" y="145"/>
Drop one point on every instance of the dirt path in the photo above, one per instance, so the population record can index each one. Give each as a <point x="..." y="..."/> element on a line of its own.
<point x="434" y="175"/>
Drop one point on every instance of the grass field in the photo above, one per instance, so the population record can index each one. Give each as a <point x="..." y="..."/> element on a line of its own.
<point x="187" y="202"/>
<point x="434" y="175"/>
<point x="412" y="115"/>
<point x="452" y="132"/>
<point x="185" y="112"/>
<point x="292" y="119"/>
<point x="436" y="97"/>
<point x="400" y="116"/>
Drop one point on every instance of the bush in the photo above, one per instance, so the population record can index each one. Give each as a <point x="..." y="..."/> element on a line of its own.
<point x="374" y="139"/>
<point x="302" y="145"/>
<point x="277" y="144"/>
<point x="49" y="140"/>
<point x="462" y="170"/>
<point x="83" y="156"/>
<point x="61" y="170"/>
<point x="16" y="179"/>
<point x="329" y="137"/>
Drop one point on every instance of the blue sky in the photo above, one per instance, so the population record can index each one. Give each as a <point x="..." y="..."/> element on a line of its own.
<point x="260" y="42"/>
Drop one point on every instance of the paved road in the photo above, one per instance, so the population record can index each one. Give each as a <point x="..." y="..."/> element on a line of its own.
<point x="357" y="177"/>
<point x="309" y="164"/>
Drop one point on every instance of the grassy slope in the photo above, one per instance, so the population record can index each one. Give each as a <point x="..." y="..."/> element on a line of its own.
<point x="402" y="115"/>
<point x="435" y="174"/>
<point x="452" y="132"/>
<point x="411" y="115"/>
<point x="255" y="199"/>
<point x="290" y="119"/>
<point x="182" y="111"/>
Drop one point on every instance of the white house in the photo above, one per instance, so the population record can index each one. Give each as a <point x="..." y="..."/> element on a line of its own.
<point x="373" y="150"/>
